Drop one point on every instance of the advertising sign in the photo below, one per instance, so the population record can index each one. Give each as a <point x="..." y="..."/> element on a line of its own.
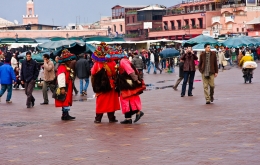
<point x="148" y="25"/>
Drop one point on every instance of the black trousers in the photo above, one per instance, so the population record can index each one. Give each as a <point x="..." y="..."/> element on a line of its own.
<point x="110" y="115"/>
<point x="29" y="86"/>
<point x="157" y="66"/>
<point x="74" y="87"/>
<point x="18" y="83"/>
<point x="131" y="112"/>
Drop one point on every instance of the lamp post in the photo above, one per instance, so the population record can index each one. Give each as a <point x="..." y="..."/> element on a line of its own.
<point x="67" y="36"/>
<point x="16" y="37"/>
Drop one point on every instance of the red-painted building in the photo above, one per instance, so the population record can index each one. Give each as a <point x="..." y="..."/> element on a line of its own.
<point x="139" y="21"/>
<point x="187" y="20"/>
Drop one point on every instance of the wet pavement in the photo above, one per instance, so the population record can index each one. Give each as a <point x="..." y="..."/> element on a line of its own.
<point x="173" y="130"/>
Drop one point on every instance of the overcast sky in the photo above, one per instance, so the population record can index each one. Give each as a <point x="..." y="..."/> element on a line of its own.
<point x="62" y="12"/>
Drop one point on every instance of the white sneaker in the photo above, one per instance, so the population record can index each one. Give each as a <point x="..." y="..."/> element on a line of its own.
<point x="22" y="88"/>
<point x="9" y="102"/>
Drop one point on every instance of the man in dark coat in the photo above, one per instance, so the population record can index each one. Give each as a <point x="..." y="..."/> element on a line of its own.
<point x="208" y="68"/>
<point x="83" y="73"/>
<point x="138" y="63"/>
<point x="156" y="61"/>
<point x="29" y="74"/>
<point x="189" y="70"/>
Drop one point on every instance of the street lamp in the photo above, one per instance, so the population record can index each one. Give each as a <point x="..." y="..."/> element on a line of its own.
<point x="67" y="36"/>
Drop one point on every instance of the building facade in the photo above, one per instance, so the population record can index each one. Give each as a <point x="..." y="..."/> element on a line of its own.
<point x="139" y="21"/>
<point x="187" y="20"/>
<point x="237" y="19"/>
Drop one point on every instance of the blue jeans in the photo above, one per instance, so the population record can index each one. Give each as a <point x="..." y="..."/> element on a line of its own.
<point x="163" y="63"/>
<point x="9" y="89"/>
<point x="230" y="62"/>
<point x="65" y="109"/>
<point x="188" y="74"/>
<point x="81" y="85"/>
<point x="151" y="64"/>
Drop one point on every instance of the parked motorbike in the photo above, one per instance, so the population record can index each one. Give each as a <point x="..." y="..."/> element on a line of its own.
<point x="248" y="68"/>
<point x="248" y="75"/>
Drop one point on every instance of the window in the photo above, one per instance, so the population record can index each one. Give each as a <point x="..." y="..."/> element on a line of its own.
<point x="133" y="19"/>
<point x="39" y="27"/>
<point x="127" y="20"/>
<point x="229" y="26"/>
<point x="237" y="29"/>
<point x="114" y="28"/>
<point x="242" y="29"/>
<point x="121" y="28"/>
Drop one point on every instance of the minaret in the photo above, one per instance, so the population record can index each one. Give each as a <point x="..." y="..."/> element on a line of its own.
<point x="30" y="17"/>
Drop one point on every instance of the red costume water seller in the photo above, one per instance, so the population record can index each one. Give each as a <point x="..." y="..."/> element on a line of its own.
<point x="103" y="82"/>
<point x="130" y="87"/>
<point x="63" y="93"/>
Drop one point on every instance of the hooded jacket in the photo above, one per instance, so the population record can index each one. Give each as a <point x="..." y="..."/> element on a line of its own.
<point x="7" y="75"/>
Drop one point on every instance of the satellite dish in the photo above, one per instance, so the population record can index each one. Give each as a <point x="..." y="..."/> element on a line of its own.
<point x="16" y="22"/>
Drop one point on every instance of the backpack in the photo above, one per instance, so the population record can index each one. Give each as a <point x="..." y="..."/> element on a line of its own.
<point x="227" y="54"/>
<point x="100" y="82"/>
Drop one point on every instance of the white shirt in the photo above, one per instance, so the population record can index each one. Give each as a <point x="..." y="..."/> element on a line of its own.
<point x="14" y="62"/>
<point x="152" y="57"/>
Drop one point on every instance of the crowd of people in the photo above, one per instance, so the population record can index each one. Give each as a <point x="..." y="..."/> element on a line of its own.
<point x="113" y="86"/>
<point x="116" y="81"/>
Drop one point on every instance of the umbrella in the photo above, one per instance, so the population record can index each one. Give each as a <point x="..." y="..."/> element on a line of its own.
<point x="200" y="47"/>
<point x="201" y="39"/>
<point x="90" y="48"/>
<point x="169" y="52"/>
<point x="59" y="45"/>
<point x="240" y="41"/>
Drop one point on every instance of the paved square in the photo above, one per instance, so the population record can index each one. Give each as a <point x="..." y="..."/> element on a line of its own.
<point x="174" y="130"/>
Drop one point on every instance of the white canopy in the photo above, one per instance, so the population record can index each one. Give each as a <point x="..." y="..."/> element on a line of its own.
<point x="254" y="21"/>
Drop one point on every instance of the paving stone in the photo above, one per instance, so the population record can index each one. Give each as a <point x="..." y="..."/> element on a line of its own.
<point x="174" y="130"/>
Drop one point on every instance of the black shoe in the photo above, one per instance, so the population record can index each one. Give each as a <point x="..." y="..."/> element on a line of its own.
<point x="113" y="121"/>
<point x="44" y="103"/>
<point x="160" y="71"/>
<point x="33" y="101"/>
<point x="28" y="106"/>
<point x="182" y="95"/>
<point x="211" y="99"/>
<point x="126" y="121"/>
<point x="70" y="117"/>
<point x="174" y="88"/>
<point x="97" y="121"/>
<point x="208" y="102"/>
<point x="138" y="116"/>
<point x="64" y="117"/>
<point x="190" y="95"/>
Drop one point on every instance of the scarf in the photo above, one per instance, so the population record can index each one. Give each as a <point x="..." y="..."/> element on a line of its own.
<point x="207" y="66"/>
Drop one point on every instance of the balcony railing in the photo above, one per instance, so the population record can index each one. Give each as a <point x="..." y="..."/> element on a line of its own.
<point x="187" y="2"/>
<point x="178" y="12"/>
<point x="172" y="28"/>
<point x="253" y="29"/>
<point x="233" y="5"/>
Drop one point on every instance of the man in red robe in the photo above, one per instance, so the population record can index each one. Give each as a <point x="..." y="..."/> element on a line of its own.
<point x="107" y="99"/>
<point x="65" y="74"/>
